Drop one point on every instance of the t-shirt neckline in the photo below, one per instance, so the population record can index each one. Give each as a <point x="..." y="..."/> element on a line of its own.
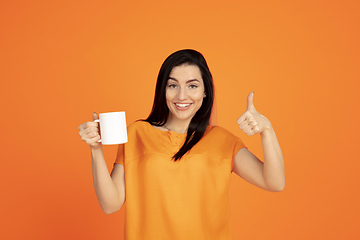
<point x="166" y="132"/>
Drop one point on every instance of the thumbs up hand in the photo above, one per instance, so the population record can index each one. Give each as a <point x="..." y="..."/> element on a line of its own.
<point x="251" y="121"/>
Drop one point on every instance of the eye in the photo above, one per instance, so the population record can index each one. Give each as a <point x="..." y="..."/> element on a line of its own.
<point x="193" y="86"/>
<point x="172" y="85"/>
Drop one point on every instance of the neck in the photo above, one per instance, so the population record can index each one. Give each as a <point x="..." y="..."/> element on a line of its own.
<point x="176" y="125"/>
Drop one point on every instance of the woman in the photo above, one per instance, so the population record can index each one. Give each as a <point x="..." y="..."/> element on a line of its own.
<point x="176" y="168"/>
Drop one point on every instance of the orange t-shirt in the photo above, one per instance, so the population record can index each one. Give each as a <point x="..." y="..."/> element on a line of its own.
<point x="183" y="200"/>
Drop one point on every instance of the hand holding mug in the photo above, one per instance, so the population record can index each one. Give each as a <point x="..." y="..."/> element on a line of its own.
<point x="112" y="127"/>
<point x="251" y="121"/>
<point x="89" y="132"/>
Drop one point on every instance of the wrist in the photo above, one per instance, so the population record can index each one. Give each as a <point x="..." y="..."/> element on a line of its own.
<point x="95" y="149"/>
<point x="267" y="129"/>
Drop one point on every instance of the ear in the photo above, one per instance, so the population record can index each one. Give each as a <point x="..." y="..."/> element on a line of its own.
<point x="204" y="94"/>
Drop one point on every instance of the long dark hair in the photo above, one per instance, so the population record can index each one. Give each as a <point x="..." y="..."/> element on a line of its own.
<point x="160" y="112"/>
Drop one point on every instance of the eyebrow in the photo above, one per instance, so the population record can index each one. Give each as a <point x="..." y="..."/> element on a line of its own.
<point x="191" y="80"/>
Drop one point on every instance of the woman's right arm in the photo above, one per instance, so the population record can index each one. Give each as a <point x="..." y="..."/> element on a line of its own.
<point x="110" y="189"/>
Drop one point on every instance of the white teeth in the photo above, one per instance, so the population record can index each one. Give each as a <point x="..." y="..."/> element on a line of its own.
<point x="182" y="104"/>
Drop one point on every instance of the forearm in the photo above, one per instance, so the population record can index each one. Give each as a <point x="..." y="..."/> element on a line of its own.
<point x="106" y="191"/>
<point x="273" y="171"/>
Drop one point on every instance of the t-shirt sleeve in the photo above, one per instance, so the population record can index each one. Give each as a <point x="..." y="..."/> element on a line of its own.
<point x="225" y="145"/>
<point x="237" y="146"/>
<point x="127" y="150"/>
<point x="120" y="154"/>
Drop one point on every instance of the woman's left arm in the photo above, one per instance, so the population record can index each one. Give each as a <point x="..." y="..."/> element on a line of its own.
<point x="269" y="174"/>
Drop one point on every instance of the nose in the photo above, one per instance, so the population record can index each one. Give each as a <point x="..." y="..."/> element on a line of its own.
<point x="182" y="94"/>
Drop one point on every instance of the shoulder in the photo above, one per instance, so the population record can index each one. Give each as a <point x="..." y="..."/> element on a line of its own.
<point x="219" y="136"/>
<point x="219" y="143"/>
<point x="220" y="132"/>
<point x="138" y="125"/>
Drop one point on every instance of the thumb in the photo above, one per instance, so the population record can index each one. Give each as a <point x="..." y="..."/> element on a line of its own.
<point x="250" y="100"/>
<point x="95" y="116"/>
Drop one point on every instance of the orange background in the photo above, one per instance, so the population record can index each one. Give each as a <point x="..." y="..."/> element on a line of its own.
<point x="63" y="60"/>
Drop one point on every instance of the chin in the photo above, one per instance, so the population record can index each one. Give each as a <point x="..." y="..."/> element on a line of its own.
<point x="183" y="118"/>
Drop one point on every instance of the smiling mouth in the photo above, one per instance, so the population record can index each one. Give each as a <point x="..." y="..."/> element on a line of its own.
<point x="182" y="105"/>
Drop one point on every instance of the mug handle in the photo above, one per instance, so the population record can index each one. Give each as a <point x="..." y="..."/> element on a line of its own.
<point x="97" y="120"/>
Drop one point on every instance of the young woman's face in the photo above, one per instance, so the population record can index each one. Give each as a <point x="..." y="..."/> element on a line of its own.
<point x="184" y="92"/>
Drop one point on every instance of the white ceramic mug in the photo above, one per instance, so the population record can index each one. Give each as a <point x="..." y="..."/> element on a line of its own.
<point x="112" y="128"/>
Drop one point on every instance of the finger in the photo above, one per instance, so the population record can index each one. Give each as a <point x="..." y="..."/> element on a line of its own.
<point x="247" y="129"/>
<point x="243" y="125"/>
<point x="88" y="130"/>
<point x="89" y="135"/>
<point x="251" y="132"/>
<point x="87" y="125"/>
<point x="243" y="117"/>
<point x="252" y="123"/>
<point x="82" y="126"/>
<point x="250" y="100"/>
<point x="92" y="141"/>
<point x="95" y="116"/>
<point x="92" y="135"/>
